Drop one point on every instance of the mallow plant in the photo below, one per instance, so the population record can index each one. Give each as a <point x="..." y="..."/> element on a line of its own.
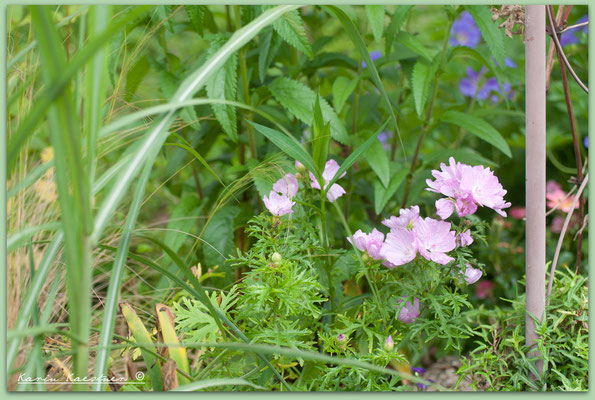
<point x="397" y="288"/>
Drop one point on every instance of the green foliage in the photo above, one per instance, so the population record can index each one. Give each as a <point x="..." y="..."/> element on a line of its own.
<point x="500" y="361"/>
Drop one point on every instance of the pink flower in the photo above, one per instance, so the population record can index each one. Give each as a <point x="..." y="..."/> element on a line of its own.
<point x="288" y="186"/>
<point x="409" y="312"/>
<point x="444" y="207"/>
<point x="464" y="239"/>
<point x="278" y="204"/>
<point x="389" y="345"/>
<point x="407" y="218"/>
<point x="557" y="198"/>
<point x="369" y="242"/>
<point x="469" y="186"/>
<point x="330" y="170"/>
<point x="472" y="275"/>
<point x="517" y="212"/>
<point x="484" y="289"/>
<point x="433" y="239"/>
<point x="399" y="247"/>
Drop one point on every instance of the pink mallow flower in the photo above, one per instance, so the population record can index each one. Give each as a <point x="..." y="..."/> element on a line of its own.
<point x="409" y="312"/>
<point x="330" y="170"/>
<point x="434" y="239"/>
<point x="407" y="218"/>
<point x="484" y="289"/>
<point x="369" y="242"/>
<point x="557" y="198"/>
<point x="278" y="204"/>
<point x="517" y="212"/>
<point x="469" y="186"/>
<point x="288" y="186"/>
<point x="464" y="239"/>
<point x="471" y="274"/>
<point x="399" y="247"/>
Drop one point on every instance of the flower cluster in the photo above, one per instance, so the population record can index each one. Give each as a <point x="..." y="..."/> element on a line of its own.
<point x="466" y="187"/>
<point x="279" y="201"/>
<point x="469" y="86"/>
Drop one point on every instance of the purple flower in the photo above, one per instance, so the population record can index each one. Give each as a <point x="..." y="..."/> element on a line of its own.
<point x="509" y="62"/>
<point x="399" y="247"/>
<point x="288" y="185"/>
<point x="469" y="86"/>
<point x="375" y="55"/>
<point x="464" y="31"/>
<point x="434" y="239"/>
<point x="278" y="204"/>
<point x="409" y="312"/>
<point x="569" y="37"/>
<point x="389" y="345"/>
<point x="586" y="142"/>
<point x="369" y="242"/>
<point x="383" y="138"/>
<point x="407" y="218"/>
<point x="340" y="337"/>
<point x="330" y="170"/>
<point x="464" y="239"/>
<point x="472" y="275"/>
<point x="419" y="371"/>
<point x="469" y="186"/>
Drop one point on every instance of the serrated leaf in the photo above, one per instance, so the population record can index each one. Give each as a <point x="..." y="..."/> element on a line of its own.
<point x="383" y="195"/>
<point x="298" y="100"/>
<point x="493" y="36"/>
<point x="479" y="128"/>
<point x="196" y="15"/>
<point x="420" y="85"/>
<point x="376" y="18"/>
<point x="414" y="44"/>
<point x="169" y="84"/>
<point x="342" y="89"/>
<point x="378" y="161"/>
<point x="223" y="85"/>
<point x="291" y="28"/>
<point x="163" y="13"/>
<point x="269" y="44"/>
<point x="218" y="236"/>
<point x="396" y="22"/>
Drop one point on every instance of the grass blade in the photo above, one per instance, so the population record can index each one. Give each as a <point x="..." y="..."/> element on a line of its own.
<point x="208" y="383"/>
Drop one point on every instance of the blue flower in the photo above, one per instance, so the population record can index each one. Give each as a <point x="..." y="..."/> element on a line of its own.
<point x="420" y="371"/>
<point x="509" y="63"/>
<point x="464" y="31"/>
<point x="586" y="142"/>
<point x="375" y="55"/>
<point x="383" y="138"/>
<point x="468" y="86"/>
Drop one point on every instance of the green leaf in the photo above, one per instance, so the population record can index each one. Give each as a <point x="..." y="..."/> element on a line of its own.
<point x="321" y="137"/>
<point x="479" y="128"/>
<point x="342" y="89"/>
<point x="420" y="85"/>
<point x="164" y="14"/>
<point x="183" y="217"/>
<point x="17" y="239"/>
<point x="396" y="22"/>
<point x="414" y="44"/>
<point x="376" y="18"/>
<point x="288" y="145"/>
<point x="378" y="160"/>
<point x="298" y="100"/>
<point x="218" y="236"/>
<point x="196" y="15"/>
<point x="493" y="36"/>
<point x="291" y="28"/>
<point x="223" y="85"/>
<point x="355" y="155"/>
<point x="383" y="195"/>
<point x="269" y="44"/>
<point x="208" y="383"/>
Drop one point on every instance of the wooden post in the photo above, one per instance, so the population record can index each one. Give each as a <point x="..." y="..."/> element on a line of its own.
<point x="535" y="78"/>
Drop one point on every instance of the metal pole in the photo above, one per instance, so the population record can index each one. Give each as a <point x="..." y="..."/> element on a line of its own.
<point x="535" y="57"/>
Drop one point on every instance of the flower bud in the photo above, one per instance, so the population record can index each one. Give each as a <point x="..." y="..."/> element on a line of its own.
<point x="340" y="337"/>
<point x="276" y="258"/>
<point x="389" y="345"/>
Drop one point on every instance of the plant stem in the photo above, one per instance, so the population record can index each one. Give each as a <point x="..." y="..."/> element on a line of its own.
<point x="324" y="238"/>
<point x="428" y="117"/>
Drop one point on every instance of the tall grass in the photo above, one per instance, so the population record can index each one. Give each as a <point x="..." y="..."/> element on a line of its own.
<point x="75" y="137"/>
